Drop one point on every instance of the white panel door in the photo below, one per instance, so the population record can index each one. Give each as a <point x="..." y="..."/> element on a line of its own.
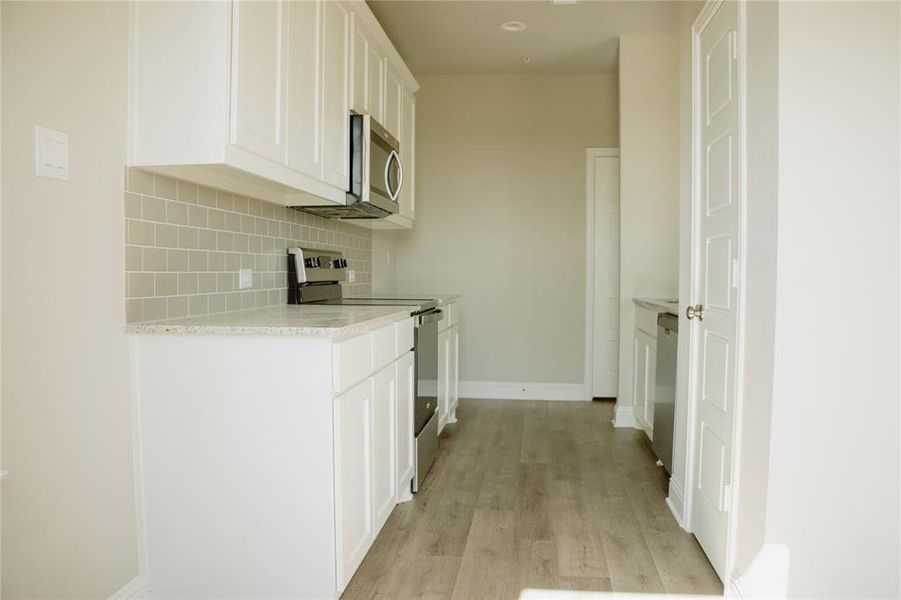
<point x="353" y="478"/>
<point x="303" y="133"/>
<point x="259" y="55"/>
<point x="716" y="211"/>
<point x="384" y="444"/>
<point x="406" y="390"/>
<point x="407" y="200"/>
<point x="335" y="96"/>
<point x="394" y="90"/>
<point x="604" y="178"/>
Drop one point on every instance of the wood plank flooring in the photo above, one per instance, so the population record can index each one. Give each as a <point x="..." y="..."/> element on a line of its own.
<point x="528" y="494"/>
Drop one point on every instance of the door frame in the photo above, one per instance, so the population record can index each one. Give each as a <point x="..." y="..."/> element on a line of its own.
<point x="590" y="155"/>
<point x="691" y="270"/>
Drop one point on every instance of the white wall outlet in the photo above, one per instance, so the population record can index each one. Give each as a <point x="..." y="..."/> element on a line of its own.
<point x="51" y="153"/>
<point x="351" y="276"/>
<point x="389" y="257"/>
<point x="245" y="279"/>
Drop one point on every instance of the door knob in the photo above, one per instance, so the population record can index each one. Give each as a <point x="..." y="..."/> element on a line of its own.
<point x="696" y="311"/>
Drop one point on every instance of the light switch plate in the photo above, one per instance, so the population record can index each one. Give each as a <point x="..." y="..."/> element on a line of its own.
<point x="245" y="279"/>
<point x="51" y="153"/>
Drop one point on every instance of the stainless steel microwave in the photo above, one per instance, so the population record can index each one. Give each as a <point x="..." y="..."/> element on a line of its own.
<point x="376" y="174"/>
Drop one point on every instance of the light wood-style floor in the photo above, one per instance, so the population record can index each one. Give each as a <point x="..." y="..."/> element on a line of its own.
<point x="542" y="495"/>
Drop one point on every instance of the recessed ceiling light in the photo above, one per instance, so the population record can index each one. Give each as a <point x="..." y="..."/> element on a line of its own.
<point x="512" y="26"/>
<point x="564" y="1"/>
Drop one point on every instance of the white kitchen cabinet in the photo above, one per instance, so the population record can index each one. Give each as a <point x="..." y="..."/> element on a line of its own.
<point x="354" y="465"/>
<point x="407" y="200"/>
<point x="394" y="90"/>
<point x="302" y="114"/>
<point x="644" y="372"/>
<point x="448" y="366"/>
<point x="259" y="57"/>
<point x="335" y="108"/>
<point x="301" y="464"/>
<point x="254" y="97"/>
<point x="443" y="373"/>
<point x="406" y="394"/>
<point x="453" y="372"/>
<point x="384" y="444"/>
<point x="368" y="74"/>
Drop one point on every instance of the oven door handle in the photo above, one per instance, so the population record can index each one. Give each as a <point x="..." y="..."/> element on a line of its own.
<point x="431" y="317"/>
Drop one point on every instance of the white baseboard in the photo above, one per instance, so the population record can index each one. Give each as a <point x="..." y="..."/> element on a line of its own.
<point x="513" y="390"/>
<point x="624" y="416"/>
<point x="132" y="590"/>
<point x="676" y="501"/>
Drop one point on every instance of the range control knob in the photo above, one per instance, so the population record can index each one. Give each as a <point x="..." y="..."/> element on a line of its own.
<point x="339" y="263"/>
<point x="312" y="262"/>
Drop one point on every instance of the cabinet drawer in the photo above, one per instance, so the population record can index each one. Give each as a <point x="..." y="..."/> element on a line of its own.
<point x="646" y="320"/>
<point x="404" y="336"/>
<point x="384" y="344"/>
<point x="451" y="316"/>
<point x="351" y="361"/>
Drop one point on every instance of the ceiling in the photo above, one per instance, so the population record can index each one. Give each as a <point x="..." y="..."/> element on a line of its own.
<point x="442" y="37"/>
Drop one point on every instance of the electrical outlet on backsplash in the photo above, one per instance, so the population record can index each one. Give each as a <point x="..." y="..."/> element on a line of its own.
<point x="186" y="244"/>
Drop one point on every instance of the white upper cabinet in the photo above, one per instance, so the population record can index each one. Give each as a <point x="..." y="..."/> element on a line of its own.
<point x="255" y="96"/>
<point x="407" y="198"/>
<point x="394" y="89"/>
<point x="259" y="57"/>
<point x="335" y="108"/>
<point x="304" y="100"/>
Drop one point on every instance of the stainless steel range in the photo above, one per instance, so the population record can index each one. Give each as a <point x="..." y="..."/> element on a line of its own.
<point x="315" y="276"/>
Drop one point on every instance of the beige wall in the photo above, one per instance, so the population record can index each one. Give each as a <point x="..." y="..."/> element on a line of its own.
<point x="649" y="182"/>
<point x="833" y="473"/>
<point x="68" y="503"/>
<point x="501" y="216"/>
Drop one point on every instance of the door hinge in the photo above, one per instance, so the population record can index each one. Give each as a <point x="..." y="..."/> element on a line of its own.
<point x="735" y="273"/>
<point x="734" y="45"/>
<point x="727" y="497"/>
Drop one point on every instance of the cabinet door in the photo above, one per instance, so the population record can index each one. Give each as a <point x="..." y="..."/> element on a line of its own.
<point x="393" y="92"/>
<point x="359" y="67"/>
<point x="353" y="478"/>
<point x="407" y="206"/>
<point x="406" y="390"/>
<point x="376" y="71"/>
<point x="259" y="56"/>
<point x="639" y="370"/>
<point x="335" y="108"/>
<point x="443" y="368"/>
<point x="304" y="142"/>
<point x="453" y="371"/>
<point x="384" y="443"/>
<point x="651" y="386"/>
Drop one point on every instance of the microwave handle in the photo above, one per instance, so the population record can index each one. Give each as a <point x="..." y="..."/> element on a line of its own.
<point x="400" y="175"/>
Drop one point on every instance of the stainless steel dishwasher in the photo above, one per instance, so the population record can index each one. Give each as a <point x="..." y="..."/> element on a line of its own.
<point x="665" y="387"/>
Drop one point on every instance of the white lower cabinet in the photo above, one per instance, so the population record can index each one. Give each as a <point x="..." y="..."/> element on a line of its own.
<point x="406" y="394"/>
<point x="354" y="466"/>
<point x="448" y="366"/>
<point x="645" y="369"/>
<point x="268" y="464"/>
<point x="384" y="442"/>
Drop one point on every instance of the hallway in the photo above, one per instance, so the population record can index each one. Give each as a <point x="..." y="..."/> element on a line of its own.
<point x="530" y="494"/>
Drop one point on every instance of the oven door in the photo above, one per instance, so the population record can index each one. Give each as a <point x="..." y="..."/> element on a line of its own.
<point x="426" y="345"/>
<point x="386" y="173"/>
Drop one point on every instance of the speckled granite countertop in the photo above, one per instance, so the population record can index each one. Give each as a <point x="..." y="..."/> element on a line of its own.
<point x="658" y="304"/>
<point x="442" y="299"/>
<point x="306" y="320"/>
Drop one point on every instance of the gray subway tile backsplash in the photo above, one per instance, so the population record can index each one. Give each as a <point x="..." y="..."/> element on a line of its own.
<point x="186" y="243"/>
